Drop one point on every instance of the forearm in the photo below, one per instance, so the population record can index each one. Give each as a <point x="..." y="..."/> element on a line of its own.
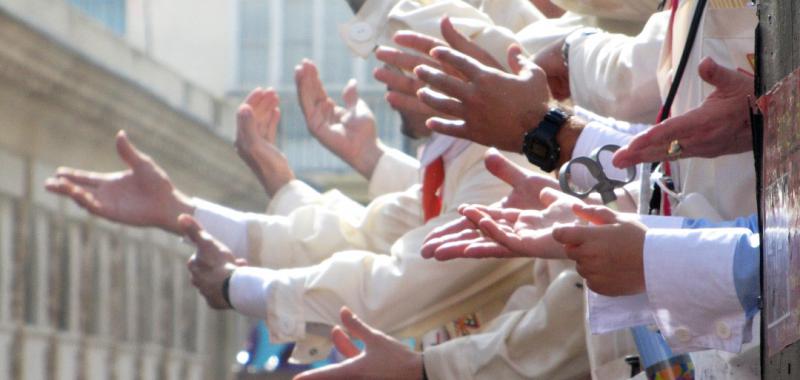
<point x="365" y="161"/>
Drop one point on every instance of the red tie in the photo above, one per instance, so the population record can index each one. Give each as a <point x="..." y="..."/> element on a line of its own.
<point x="432" y="182"/>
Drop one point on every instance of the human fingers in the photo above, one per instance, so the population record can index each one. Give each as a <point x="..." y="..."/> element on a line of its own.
<point x="461" y="43"/>
<point x="310" y="91"/>
<point x="343" y="343"/>
<point x="572" y="235"/>
<point x="487" y="249"/>
<point x="128" y="152"/>
<point x="454" y="249"/>
<point x="514" y="57"/>
<point x="417" y="41"/>
<point x="594" y="214"/>
<point x="350" y="94"/>
<point x="503" y="168"/>
<point x="397" y="81"/>
<point x="357" y="328"/>
<point x="208" y="252"/>
<point x="725" y="79"/>
<point x="409" y="103"/>
<point x="402" y="60"/>
<point x="431" y="246"/>
<point x="465" y="64"/>
<point x="447" y="84"/>
<point x="450" y="127"/>
<point x="81" y="177"/>
<point x="79" y="195"/>
<point x="549" y="195"/>
<point x="504" y="236"/>
<point x="441" y="103"/>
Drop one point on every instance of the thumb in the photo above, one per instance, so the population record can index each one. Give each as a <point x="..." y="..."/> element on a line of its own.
<point x="573" y="235"/>
<point x="356" y="327"/>
<point x="502" y="168"/>
<point x="343" y="343"/>
<point x="204" y="243"/>
<point x="549" y="195"/>
<point x="245" y="122"/>
<point x="350" y="94"/>
<point x="514" y="55"/>
<point x="595" y="214"/>
<point x="718" y="76"/>
<point x="132" y="156"/>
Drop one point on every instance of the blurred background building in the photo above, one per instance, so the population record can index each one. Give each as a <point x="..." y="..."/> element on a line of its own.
<point x="84" y="299"/>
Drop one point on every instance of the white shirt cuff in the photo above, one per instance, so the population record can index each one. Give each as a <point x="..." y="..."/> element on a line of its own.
<point x="226" y="225"/>
<point x="690" y="285"/>
<point x="247" y="290"/>
<point x="607" y="314"/>
<point x="291" y="196"/>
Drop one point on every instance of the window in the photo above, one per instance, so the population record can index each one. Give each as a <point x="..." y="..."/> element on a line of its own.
<point x="338" y="58"/>
<point x="297" y="37"/>
<point x="254" y="38"/>
<point x="110" y="13"/>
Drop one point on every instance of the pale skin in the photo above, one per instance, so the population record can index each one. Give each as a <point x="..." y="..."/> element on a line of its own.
<point x="256" y="131"/>
<point x="534" y="198"/>
<point x="143" y="195"/>
<point x="608" y="252"/>
<point x="720" y="126"/>
<point x="383" y="357"/>
<point x="347" y="130"/>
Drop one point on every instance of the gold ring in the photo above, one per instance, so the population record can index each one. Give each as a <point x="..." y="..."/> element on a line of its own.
<point x="674" y="150"/>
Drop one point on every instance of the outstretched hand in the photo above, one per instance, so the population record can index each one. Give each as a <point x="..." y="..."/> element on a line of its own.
<point x="211" y="265"/>
<point x="450" y="240"/>
<point x="142" y="195"/>
<point x="348" y="131"/>
<point x="609" y="252"/>
<point x="508" y="232"/>
<point x="383" y="358"/>
<point x="491" y="107"/>
<point x="719" y="126"/>
<point x="256" y="132"/>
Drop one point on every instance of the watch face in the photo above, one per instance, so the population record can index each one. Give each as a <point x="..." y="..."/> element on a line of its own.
<point x="539" y="150"/>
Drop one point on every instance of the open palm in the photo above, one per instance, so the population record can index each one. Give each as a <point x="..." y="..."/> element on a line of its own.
<point x="143" y="195"/>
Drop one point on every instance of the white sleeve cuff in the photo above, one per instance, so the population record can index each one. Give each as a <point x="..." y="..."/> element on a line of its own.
<point x="395" y="171"/>
<point x="607" y="314"/>
<point x="594" y="135"/>
<point x="290" y="197"/>
<point x="690" y="285"/>
<point x="226" y="225"/>
<point x="247" y="290"/>
<point x="660" y="221"/>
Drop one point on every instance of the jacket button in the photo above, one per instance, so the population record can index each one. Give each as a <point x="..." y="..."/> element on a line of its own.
<point x="723" y="331"/>
<point x="683" y="335"/>
<point x="360" y="32"/>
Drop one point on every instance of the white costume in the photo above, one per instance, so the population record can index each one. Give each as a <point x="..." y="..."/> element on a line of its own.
<point x="720" y="188"/>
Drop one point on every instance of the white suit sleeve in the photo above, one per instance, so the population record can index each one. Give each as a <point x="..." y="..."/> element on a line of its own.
<point x="709" y="312"/>
<point x="544" y="342"/>
<point x="389" y="291"/>
<point x="615" y="75"/>
<point x="607" y="314"/>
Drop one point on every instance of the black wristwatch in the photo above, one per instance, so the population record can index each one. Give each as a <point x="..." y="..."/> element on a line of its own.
<point x="540" y="145"/>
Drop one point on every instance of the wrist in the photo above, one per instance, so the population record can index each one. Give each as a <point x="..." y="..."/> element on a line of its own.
<point x="567" y="138"/>
<point x="181" y="204"/>
<point x="367" y="159"/>
<point x="273" y="173"/>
